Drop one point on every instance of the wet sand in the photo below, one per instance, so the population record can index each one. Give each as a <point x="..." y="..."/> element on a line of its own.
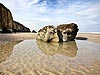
<point x="6" y="38"/>
<point x="27" y="56"/>
<point x="94" y="37"/>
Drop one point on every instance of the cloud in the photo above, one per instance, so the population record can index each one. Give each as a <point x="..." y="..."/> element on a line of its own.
<point x="37" y="13"/>
<point x="33" y="2"/>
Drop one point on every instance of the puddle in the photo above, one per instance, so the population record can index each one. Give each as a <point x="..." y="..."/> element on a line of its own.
<point x="6" y="49"/>
<point x="34" y="57"/>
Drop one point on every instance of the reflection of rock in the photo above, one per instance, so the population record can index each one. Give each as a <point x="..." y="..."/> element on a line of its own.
<point x="66" y="48"/>
<point x="6" y="50"/>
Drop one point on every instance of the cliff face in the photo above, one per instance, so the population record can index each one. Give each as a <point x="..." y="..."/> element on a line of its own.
<point x="7" y="23"/>
<point x="6" y="19"/>
<point x="17" y="27"/>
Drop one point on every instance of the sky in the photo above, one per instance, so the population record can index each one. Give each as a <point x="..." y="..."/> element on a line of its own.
<point x="35" y="14"/>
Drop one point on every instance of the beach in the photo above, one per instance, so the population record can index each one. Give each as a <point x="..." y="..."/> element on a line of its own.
<point x="94" y="37"/>
<point x="22" y="54"/>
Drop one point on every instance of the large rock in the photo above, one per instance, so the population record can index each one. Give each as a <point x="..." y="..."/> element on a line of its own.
<point x="64" y="32"/>
<point x="7" y="24"/>
<point x="33" y="31"/>
<point x="46" y="33"/>
<point x="68" y="31"/>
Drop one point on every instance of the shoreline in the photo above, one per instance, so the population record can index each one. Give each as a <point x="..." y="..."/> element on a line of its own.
<point x="90" y="32"/>
<point x="93" y="37"/>
<point x="37" y="57"/>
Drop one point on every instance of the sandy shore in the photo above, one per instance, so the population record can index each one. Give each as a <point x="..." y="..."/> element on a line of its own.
<point x="5" y="38"/>
<point x="90" y="37"/>
<point x="23" y="36"/>
<point x="21" y="54"/>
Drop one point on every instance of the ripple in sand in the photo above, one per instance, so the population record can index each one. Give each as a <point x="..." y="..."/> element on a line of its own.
<point x="34" y="57"/>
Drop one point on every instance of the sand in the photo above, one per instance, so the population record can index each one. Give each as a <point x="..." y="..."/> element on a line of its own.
<point x="5" y="38"/>
<point x="94" y="37"/>
<point x="24" y="36"/>
<point x="21" y="54"/>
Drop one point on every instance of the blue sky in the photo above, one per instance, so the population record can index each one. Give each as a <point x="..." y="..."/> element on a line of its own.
<point x="37" y="13"/>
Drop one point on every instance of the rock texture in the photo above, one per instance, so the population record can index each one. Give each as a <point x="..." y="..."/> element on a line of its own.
<point x="17" y="27"/>
<point x="68" y="31"/>
<point x="6" y="19"/>
<point x="63" y="32"/>
<point x="46" y="33"/>
<point x="7" y="23"/>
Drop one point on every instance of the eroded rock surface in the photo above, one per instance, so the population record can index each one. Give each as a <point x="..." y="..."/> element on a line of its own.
<point x="46" y="33"/>
<point x="7" y="24"/>
<point x="63" y="32"/>
<point x="68" y="31"/>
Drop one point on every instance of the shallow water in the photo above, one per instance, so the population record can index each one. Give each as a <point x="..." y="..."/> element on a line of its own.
<point x="34" y="57"/>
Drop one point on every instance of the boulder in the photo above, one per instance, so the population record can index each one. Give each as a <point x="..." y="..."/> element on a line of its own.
<point x="68" y="31"/>
<point x="46" y="33"/>
<point x="33" y="31"/>
<point x="63" y="32"/>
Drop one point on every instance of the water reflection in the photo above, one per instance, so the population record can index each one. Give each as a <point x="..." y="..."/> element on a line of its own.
<point x="66" y="48"/>
<point x="31" y="57"/>
<point x="6" y="50"/>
